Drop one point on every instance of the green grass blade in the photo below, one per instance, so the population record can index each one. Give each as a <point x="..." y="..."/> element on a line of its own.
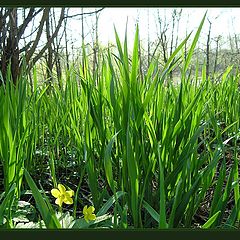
<point x="162" y="202"/>
<point x="211" y="220"/>
<point x="6" y="203"/>
<point x="103" y="210"/>
<point x="108" y="163"/>
<point x="47" y="214"/>
<point x="195" y="40"/>
<point x="155" y="215"/>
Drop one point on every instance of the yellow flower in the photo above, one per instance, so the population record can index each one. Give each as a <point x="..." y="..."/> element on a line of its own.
<point x="88" y="213"/>
<point x="62" y="195"/>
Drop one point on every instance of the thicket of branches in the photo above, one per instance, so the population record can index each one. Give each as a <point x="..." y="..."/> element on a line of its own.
<point x="30" y="34"/>
<point x="21" y="33"/>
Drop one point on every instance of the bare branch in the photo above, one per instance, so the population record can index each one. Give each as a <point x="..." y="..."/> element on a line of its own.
<point x="39" y="55"/>
<point x="25" y="48"/>
<point x="39" y="33"/>
<point x="27" y="20"/>
<point x="87" y="13"/>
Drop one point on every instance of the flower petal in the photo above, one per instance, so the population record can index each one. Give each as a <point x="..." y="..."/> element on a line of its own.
<point x="55" y="192"/>
<point x="92" y="217"/>
<point x="70" y="193"/>
<point x="85" y="212"/>
<point x="61" y="188"/>
<point x="86" y="218"/>
<point x="67" y="200"/>
<point x="91" y="209"/>
<point x="59" y="201"/>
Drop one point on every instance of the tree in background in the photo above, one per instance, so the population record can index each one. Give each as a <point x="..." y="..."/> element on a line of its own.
<point x="27" y="27"/>
<point x="11" y="33"/>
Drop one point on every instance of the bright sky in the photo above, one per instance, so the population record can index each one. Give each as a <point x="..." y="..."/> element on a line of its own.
<point x="225" y="21"/>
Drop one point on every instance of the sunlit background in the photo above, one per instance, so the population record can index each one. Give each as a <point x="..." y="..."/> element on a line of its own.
<point x="225" y="21"/>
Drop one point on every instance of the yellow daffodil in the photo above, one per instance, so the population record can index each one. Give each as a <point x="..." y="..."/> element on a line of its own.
<point x="88" y="213"/>
<point x="62" y="196"/>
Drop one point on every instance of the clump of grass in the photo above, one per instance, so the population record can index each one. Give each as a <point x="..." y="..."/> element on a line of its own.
<point x="114" y="133"/>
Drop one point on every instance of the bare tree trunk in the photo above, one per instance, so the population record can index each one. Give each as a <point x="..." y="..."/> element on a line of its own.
<point x="4" y="51"/>
<point x="236" y="42"/>
<point x="208" y="49"/>
<point x="66" y="44"/>
<point x="174" y="13"/>
<point x="216" y="54"/>
<point x="179" y="15"/>
<point x="139" y="50"/>
<point x="56" y="45"/>
<point x="83" y="57"/>
<point x="9" y="44"/>
<point x="185" y="45"/>
<point x="232" y="47"/>
<point x="14" y="45"/>
<point x="173" y="28"/>
<point x="163" y="27"/>
<point x="148" y="42"/>
<point x="49" y="57"/>
<point x="95" y="44"/>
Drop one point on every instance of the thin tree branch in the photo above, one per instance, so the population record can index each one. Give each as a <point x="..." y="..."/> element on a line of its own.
<point x="39" y="55"/>
<point x="87" y="13"/>
<point x="39" y="33"/>
<point x="27" y="20"/>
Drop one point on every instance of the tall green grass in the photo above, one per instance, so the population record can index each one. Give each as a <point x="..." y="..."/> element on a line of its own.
<point x="164" y="145"/>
